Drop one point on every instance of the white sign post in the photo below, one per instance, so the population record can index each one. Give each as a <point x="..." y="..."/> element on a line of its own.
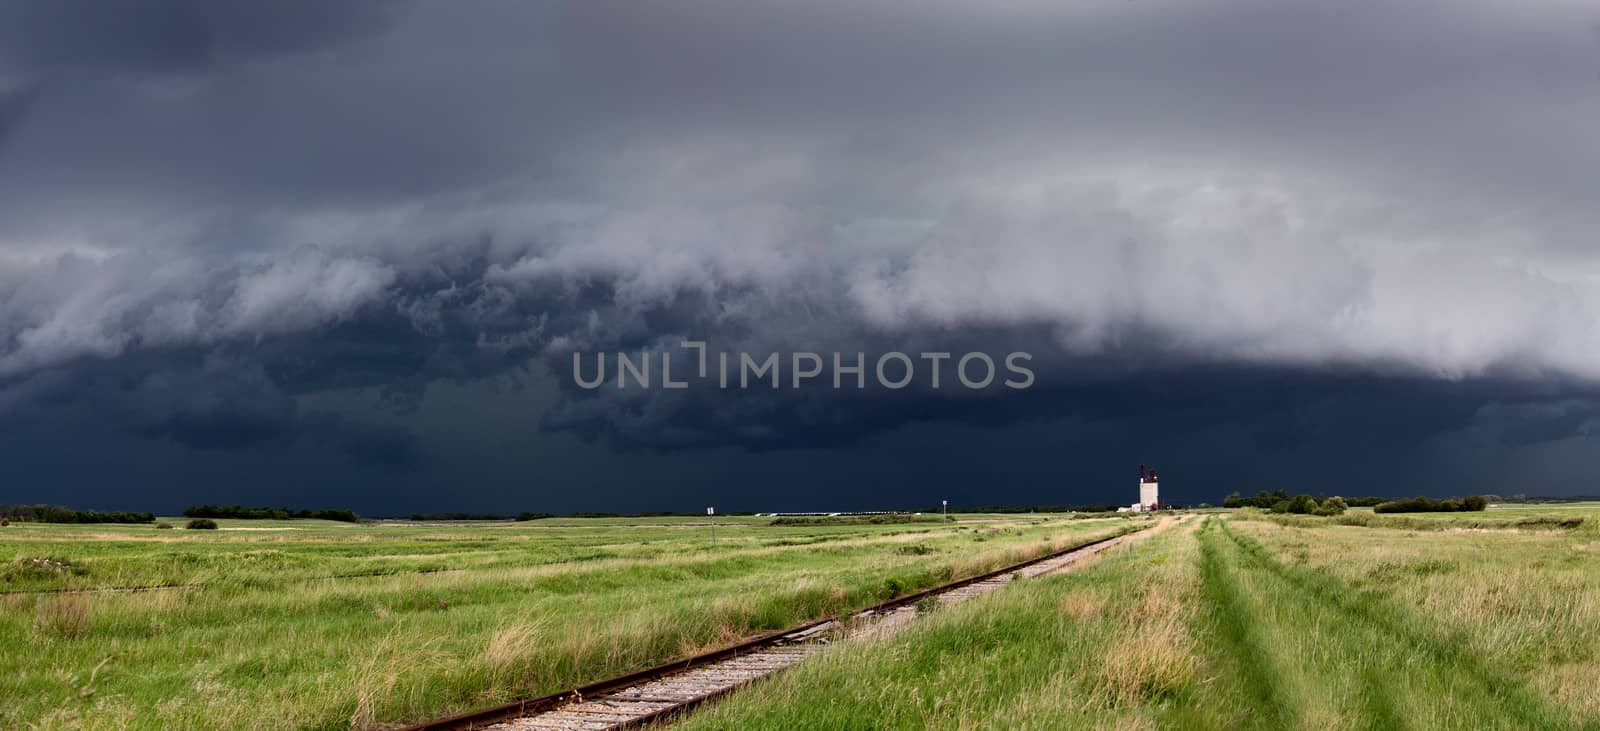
<point x="944" y="506"/>
<point x="712" y="512"/>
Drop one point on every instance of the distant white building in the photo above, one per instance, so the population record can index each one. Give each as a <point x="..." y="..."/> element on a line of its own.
<point x="1149" y="492"/>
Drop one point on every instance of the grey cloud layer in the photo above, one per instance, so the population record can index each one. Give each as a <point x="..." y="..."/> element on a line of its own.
<point x="1401" y="189"/>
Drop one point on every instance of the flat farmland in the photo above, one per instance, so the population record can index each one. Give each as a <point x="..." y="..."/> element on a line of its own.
<point x="311" y="624"/>
<point x="1243" y="620"/>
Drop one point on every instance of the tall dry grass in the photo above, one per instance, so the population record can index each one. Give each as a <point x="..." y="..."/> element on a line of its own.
<point x="64" y="614"/>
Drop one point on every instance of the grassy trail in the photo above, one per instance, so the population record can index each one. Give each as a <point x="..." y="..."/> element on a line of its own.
<point x="1316" y="652"/>
<point x="1241" y="648"/>
<point x="1204" y="627"/>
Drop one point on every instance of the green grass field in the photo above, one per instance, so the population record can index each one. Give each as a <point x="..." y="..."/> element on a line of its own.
<point x="1233" y="619"/>
<point x="1240" y="621"/>
<point x="311" y="624"/>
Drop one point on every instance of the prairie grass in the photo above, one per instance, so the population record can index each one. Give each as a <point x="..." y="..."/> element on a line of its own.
<point x="1232" y="621"/>
<point x="1053" y="652"/>
<point x="1521" y="607"/>
<point x="1579" y="517"/>
<point x="306" y="624"/>
<point x="1237" y="623"/>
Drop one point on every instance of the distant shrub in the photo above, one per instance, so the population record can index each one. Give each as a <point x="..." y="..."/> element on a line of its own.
<point x="1332" y="506"/>
<point x="202" y="524"/>
<point x="524" y="517"/>
<point x="240" y="512"/>
<point x="915" y="549"/>
<point x="5" y="522"/>
<point x="163" y="525"/>
<point x="1420" y="504"/>
<point x="894" y="586"/>
<point x="927" y="604"/>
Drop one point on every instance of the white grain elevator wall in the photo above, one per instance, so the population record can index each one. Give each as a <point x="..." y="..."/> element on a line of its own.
<point x="1148" y="495"/>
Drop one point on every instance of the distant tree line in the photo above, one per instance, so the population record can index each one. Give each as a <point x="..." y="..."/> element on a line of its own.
<point x="1420" y="504"/>
<point x="1281" y="502"/>
<point x="245" y="513"/>
<point x="1093" y="508"/>
<point x="1268" y="500"/>
<point x="1307" y="505"/>
<point x="646" y="514"/>
<point x="1366" y="501"/>
<point x="56" y="514"/>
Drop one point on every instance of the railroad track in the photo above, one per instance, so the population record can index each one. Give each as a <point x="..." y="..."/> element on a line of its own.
<point x="639" y="698"/>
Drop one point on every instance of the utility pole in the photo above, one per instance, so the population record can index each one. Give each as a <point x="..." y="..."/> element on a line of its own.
<point x="712" y="512"/>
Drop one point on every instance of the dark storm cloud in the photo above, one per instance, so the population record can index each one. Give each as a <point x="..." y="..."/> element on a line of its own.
<point x="218" y="401"/>
<point x="1295" y="218"/>
<point x="174" y="36"/>
<point x="1546" y="420"/>
<point x="388" y="447"/>
<point x="209" y="406"/>
<point x="14" y="105"/>
<point x="1279" y="409"/>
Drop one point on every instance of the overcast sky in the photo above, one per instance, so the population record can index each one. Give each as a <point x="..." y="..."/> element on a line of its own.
<point x="310" y="253"/>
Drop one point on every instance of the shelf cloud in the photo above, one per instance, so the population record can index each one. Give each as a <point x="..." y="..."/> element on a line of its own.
<point x="298" y="200"/>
